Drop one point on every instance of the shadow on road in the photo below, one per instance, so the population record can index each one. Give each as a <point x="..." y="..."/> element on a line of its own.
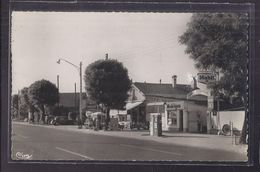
<point x="167" y="136"/>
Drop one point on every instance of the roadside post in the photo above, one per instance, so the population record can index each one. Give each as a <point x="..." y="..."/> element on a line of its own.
<point x="79" y="68"/>
<point x="155" y="124"/>
<point x="206" y="77"/>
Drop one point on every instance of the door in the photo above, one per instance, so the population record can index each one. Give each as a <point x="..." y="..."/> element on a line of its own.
<point x="181" y="120"/>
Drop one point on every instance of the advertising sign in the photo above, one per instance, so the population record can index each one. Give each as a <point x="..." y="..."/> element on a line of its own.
<point x="174" y="105"/>
<point x="206" y="77"/>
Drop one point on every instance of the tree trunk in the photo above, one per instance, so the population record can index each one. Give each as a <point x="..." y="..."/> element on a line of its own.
<point x="242" y="139"/>
<point x="107" y="118"/>
<point x="42" y="113"/>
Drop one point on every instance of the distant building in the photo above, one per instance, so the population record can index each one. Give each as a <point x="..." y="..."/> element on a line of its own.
<point x="71" y="101"/>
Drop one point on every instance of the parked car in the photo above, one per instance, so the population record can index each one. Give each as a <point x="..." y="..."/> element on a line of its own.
<point x="62" y="120"/>
<point x="140" y="126"/>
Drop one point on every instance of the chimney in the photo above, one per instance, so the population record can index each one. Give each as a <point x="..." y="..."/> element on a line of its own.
<point x="194" y="83"/>
<point x="174" y="80"/>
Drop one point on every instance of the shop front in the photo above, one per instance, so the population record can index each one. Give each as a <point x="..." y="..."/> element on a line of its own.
<point x="176" y="118"/>
<point x="180" y="116"/>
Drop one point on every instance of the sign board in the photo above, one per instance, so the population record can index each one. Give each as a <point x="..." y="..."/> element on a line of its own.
<point x="210" y="103"/>
<point x="174" y="105"/>
<point x="206" y="77"/>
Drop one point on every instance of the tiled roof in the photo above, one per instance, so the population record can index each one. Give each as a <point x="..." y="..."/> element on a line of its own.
<point x="180" y="91"/>
<point x="68" y="99"/>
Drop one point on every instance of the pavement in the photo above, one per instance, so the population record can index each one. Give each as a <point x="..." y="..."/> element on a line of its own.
<point x="195" y="140"/>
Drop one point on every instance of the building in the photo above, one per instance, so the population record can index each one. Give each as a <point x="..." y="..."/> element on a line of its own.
<point x="70" y="101"/>
<point x="179" y="112"/>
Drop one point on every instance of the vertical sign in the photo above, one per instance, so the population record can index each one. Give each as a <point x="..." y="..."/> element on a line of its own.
<point x="210" y="103"/>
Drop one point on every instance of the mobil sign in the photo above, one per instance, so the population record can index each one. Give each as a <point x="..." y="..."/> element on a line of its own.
<point x="206" y="77"/>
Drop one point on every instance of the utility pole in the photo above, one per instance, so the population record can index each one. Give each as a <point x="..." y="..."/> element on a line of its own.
<point x="218" y="117"/>
<point x="80" y="95"/>
<point x="75" y="95"/>
<point x="18" y="103"/>
<point x="58" y="86"/>
<point x="79" y="68"/>
<point x="58" y="82"/>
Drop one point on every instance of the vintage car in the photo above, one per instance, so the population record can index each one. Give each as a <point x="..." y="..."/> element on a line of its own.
<point x="62" y="120"/>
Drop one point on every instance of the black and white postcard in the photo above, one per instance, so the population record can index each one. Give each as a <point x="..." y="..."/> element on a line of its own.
<point x="129" y="86"/>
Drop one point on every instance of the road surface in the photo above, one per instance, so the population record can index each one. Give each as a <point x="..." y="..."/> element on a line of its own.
<point x="43" y="143"/>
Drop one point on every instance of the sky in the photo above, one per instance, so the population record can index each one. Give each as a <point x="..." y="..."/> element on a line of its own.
<point x="146" y="43"/>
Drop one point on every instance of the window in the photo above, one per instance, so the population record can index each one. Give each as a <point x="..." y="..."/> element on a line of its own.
<point x="172" y="118"/>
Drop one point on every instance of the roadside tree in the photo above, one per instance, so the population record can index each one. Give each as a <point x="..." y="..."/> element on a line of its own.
<point x="107" y="83"/>
<point x="42" y="94"/>
<point x="15" y="106"/>
<point x="25" y="105"/>
<point x="218" y="42"/>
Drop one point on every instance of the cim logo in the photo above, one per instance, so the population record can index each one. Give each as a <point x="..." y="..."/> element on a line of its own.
<point x="206" y="77"/>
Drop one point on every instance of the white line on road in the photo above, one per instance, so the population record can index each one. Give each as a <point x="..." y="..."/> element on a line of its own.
<point x="25" y="137"/>
<point x="150" y="149"/>
<point x="74" y="153"/>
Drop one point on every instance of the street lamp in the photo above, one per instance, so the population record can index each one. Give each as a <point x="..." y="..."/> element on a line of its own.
<point x="79" y="68"/>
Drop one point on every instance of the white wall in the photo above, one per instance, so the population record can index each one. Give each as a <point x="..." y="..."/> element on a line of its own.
<point x="135" y="94"/>
<point x="115" y="112"/>
<point x="237" y="117"/>
<point x="196" y="112"/>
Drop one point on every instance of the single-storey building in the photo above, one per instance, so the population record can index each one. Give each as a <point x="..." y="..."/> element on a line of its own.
<point x="71" y="101"/>
<point x="179" y="112"/>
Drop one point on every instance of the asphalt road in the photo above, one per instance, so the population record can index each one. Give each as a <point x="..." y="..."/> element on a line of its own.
<point x="41" y="143"/>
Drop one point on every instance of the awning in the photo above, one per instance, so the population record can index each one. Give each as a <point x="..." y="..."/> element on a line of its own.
<point x="130" y="106"/>
<point x="197" y="92"/>
<point x="114" y="112"/>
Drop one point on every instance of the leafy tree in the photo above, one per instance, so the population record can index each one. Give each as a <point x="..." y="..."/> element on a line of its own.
<point x="42" y="94"/>
<point x="218" y="42"/>
<point x="25" y="105"/>
<point x="107" y="83"/>
<point x="15" y="106"/>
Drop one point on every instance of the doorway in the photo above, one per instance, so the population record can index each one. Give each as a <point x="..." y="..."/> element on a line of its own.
<point x="181" y="120"/>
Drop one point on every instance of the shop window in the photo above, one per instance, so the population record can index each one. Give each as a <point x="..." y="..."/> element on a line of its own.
<point x="172" y="118"/>
<point x="122" y="118"/>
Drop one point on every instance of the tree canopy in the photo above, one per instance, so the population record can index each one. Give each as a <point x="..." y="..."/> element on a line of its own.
<point x="41" y="94"/>
<point x="107" y="82"/>
<point x="21" y="104"/>
<point x="15" y="105"/>
<point x="25" y="103"/>
<point x="218" y="42"/>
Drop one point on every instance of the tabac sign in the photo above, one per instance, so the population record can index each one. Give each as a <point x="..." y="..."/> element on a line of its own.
<point x="206" y="77"/>
<point x="174" y="105"/>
